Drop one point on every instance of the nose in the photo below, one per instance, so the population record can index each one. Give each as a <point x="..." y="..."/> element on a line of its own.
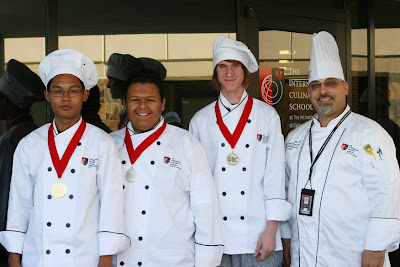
<point x="66" y="96"/>
<point x="143" y="104"/>
<point x="229" y="71"/>
<point x="323" y="89"/>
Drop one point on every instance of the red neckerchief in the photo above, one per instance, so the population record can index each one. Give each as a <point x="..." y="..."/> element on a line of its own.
<point x="60" y="165"/>
<point x="18" y="120"/>
<point x="232" y="139"/>
<point x="134" y="154"/>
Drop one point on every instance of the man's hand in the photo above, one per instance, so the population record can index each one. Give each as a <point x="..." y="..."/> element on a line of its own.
<point x="105" y="261"/>
<point x="286" y="252"/>
<point x="267" y="243"/>
<point x="14" y="260"/>
<point x="372" y="258"/>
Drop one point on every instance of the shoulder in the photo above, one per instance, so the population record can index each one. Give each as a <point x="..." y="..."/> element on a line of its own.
<point x="298" y="131"/>
<point x="265" y="109"/>
<point x="118" y="135"/>
<point x="98" y="134"/>
<point x="365" y="126"/>
<point x="35" y="139"/>
<point x="178" y="133"/>
<point x="204" y="113"/>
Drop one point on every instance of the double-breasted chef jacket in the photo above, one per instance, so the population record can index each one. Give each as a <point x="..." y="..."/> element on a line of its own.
<point x="253" y="191"/>
<point x="81" y="226"/>
<point x="171" y="210"/>
<point x="357" y="192"/>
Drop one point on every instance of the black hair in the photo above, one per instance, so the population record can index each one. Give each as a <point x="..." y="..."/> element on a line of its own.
<point x="49" y="83"/>
<point x="145" y="76"/>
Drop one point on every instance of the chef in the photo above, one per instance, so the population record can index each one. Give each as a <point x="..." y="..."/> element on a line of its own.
<point x="65" y="206"/>
<point x="345" y="165"/>
<point x="244" y="146"/>
<point x="171" y="207"/>
<point x="19" y="89"/>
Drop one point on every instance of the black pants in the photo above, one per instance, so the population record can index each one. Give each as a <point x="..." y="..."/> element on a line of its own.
<point x="394" y="258"/>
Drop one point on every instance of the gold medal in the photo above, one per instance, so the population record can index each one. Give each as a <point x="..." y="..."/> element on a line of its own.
<point x="232" y="159"/>
<point x="59" y="190"/>
<point x="131" y="175"/>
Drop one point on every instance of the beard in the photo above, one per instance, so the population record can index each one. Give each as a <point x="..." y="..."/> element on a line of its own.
<point x="325" y="108"/>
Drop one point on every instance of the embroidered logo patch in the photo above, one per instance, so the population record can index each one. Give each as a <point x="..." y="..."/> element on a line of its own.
<point x="173" y="163"/>
<point x="262" y="138"/>
<point x="90" y="163"/>
<point x="167" y="160"/>
<point x="368" y="149"/>
<point x="292" y="145"/>
<point x="344" y="146"/>
<point x="85" y="161"/>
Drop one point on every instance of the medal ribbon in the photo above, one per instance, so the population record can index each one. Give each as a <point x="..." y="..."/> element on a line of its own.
<point x="323" y="145"/>
<point x="134" y="154"/>
<point x="232" y="139"/>
<point x="60" y="165"/>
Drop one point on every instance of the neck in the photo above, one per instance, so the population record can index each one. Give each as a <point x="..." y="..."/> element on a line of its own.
<point x="233" y="97"/>
<point x="64" y="124"/>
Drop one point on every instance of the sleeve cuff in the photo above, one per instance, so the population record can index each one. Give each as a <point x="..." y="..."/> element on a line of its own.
<point x="278" y="210"/>
<point x="208" y="255"/>
<point x="12" y="241"/>
<point x="112" y="243"/>
<point x="285" y="230"/>
<point x="383" y="234"/>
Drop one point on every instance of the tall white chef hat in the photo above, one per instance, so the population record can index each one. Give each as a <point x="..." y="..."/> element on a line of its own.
<point x="68" y="61"/>
<point x="226" y="48"/>
<point x="325" y="60"/>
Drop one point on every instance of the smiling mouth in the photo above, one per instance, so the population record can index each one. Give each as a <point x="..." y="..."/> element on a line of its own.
<point x="325" y="99"/>
<point x="142" y="114"/>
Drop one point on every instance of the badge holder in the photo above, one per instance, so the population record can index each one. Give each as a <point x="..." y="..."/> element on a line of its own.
<point x="306" y="202"/>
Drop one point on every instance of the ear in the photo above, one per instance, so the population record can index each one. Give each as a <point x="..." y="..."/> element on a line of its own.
<point x="346" y="87"/>
<point x="47" y="95"/>
<point x="85" y="95"/>
<point x="163" y="104"/>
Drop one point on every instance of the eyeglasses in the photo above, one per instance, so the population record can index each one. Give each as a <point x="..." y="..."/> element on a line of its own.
<point x="71" y="93"/>
<point x="327" y="83"/>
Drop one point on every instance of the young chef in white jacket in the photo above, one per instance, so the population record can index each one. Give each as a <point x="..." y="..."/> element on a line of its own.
<point x="244" y="146"/>
<point x="351" y="180"/>
<point x="65" y="206"/>
<point x="171" y="207"/>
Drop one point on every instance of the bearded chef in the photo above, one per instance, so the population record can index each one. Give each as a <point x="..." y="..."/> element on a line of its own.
<point x="244" y="146"/>
<point x="171" y="207"/>
<point x="345" y="165"/>
<point x="65" y="206"/>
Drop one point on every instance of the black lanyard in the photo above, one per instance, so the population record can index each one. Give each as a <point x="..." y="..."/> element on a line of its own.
<point x="323" y="145"/>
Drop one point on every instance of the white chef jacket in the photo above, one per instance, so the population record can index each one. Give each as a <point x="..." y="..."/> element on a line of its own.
<point x="357" y="194"/>
<point x="171" y="210"/>
<point x="81" y="226"/>
<point x="253" y="191"/>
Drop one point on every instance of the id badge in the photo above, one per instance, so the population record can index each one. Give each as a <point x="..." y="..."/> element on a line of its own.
<point x="306" y="202"/>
